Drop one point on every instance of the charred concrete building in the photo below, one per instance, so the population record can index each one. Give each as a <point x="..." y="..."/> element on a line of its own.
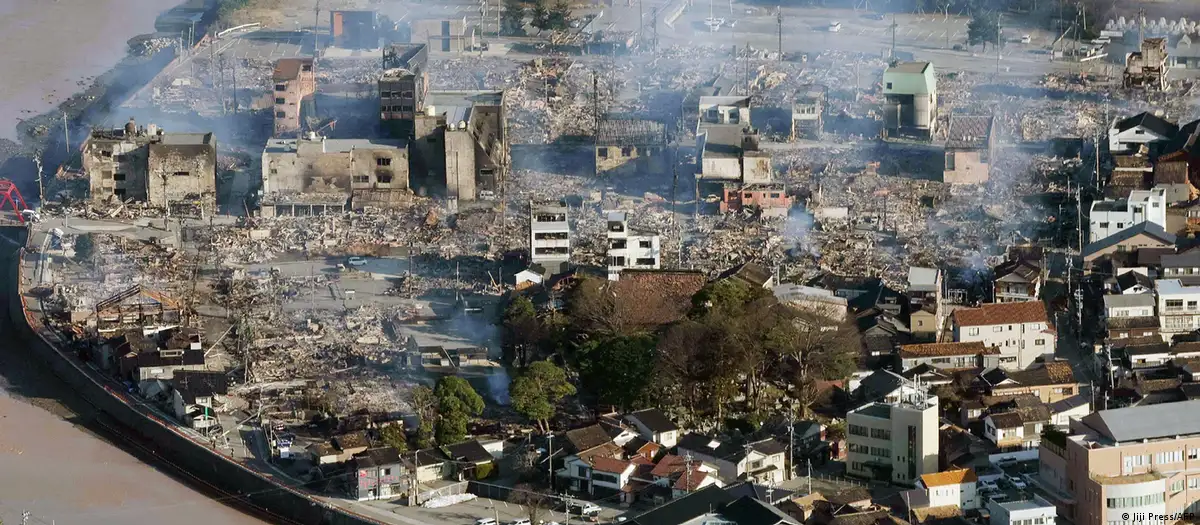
<point x="403" y="87"/>
<point x="315" y="175"/>
<point x="549" y="235"/>
<point x="970" y="146"/>
<point x="173" y="171"/>
<point x="1147" y="68"/>
<point x="295" y="82"/>
<point x="631" y="146"/>
<point x="807" y="110"/>
<point x="459" y="144"/>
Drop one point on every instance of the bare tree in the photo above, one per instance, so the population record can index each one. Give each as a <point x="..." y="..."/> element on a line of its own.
<point x="535" y="502"/>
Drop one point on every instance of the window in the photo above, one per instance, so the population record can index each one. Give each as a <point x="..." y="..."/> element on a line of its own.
<point x="280" y="87"/>
<point x="383" y="178"/>
<point x="949" y="161"/>
<point x="1104" y="225"/>
<point x="1039" y="342"/>
<point x="385" y="94"/>
<point x="387" y="472"/>
<point x="645" y="261"/>
<point x="856" y="430"/>
<point x="406" y="94"/>
<point x="119" y="177"/>
<point x="280" y="100"/>
<point x="618" y="244"/>
<point x="1174" y="304"/>
<point x="1193" y="453"/>
<point x="973" y="331"/>
<point x="602" y="153"/>
<point x="881" y="433"/>
<point x="306" y="67"/>
<point x="107" y="175"/>
<point x="997" y="328"/>
<point x="360" y="179"/>
<point x="182" y="174"/>
<point x="747" y="195"/>
<point x="983" y="155"/>
<point x="280" y="114"/>
<point x="581" y="471"/>
<point x="1120" y="225"/>
<point x="106" y="154"/>
<point x="626" y="151"/>
<point x="889" y="85"/>
<point x="383" y="161"/>
<point x="643" y="244"/>
<point x="1194" y="483"/>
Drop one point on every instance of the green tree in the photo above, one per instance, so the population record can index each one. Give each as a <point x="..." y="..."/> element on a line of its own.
<point x="559" y="17"/>
<point x="540" y="15"/>
<point x="537" y="391"/>
<point x="424" y="438"/>
<point x="522" y="330"/>
<point x="512" y="20"/>
<point x="983" y="29"/>
<point x="85" y="248"/>
<point x="619" y="370"/>
<point x="457" y="404"/>
<point x="393" y="436"/>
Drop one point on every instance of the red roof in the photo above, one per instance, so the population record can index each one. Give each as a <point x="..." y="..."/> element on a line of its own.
<point x="1002" y="313"/>
<point x="610" y="465"/>
<point x="668" y="465"/>
<point x="691" y="480"/>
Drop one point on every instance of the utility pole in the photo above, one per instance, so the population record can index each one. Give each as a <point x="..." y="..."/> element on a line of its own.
<point x="654" y="28"/>
<point x="810" y="476"/>
<point x="893" y="26"/>
<point x="997" y="43"/>
<point x="779" y="24"/>
<point x="550" y="459"/>
<point x="235" y="103"/>
<point x="791" y="445"/>
<point x="37" y="159"/>
<point x="66" y="136"/>
<point x="596" y="110"/>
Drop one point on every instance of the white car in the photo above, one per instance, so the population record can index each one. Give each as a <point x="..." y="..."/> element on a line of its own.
<point x="988" y="486"/>
<point x="1018" y="483"/>
<point x="357" y="261"/>
<point x="1026" y="39"/>
<point x="519" y="521"/>
<point x="486" y="521"/>
<point x="834" y="27"/>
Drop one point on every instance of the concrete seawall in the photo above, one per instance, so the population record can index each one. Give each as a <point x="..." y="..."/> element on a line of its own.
<point x="248" y="487"/>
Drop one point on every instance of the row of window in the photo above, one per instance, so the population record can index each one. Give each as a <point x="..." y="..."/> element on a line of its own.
<point x="1135" y="501"/>
<point x="640" y="261"/>
<point x="382" y="178"/>
<point x="858" y="430"/>
<point x="619" y="244"/>
<point x="1040" y="520"/>
<point x="400" y="108"/>
<point x="395" y="94"/>
<point x="627" y="151"/>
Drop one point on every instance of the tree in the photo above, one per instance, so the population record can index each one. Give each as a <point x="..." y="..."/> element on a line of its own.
<point x="457" y="403"/>
<point x="593" y="309"/>
<point x="538" y="390"/>
<point x="559" y="17"/>
<point x="85" y="248"/>
<point x="535" y="502"/>
<point x="424" y="437"/>
<point x="540" y="15"/>
<point x="835" y="432"/>
<point x="512" y="20"/>
<point x="522" y="329"/>
<point x="393" y="436"/>
<point x="983" y="29"/>
<point x="619" y="370"/>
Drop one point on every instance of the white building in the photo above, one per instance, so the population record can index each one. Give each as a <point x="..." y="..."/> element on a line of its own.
<point x="951" y="488"/>
<point x="628" y="249"/>
<point x="549" y="235"/>
<point x="1128" y="135"/>
<point x="1130" y="305"/>
<point x="654" y="426"/>
<point x="1178" y="307"/>
<point x="1021" y="331"/>
<point x="1036" y="511"/>
<point x="758" y="462"/>
<point x="1109" y="217"/>
<point x="894" y="441"/>
<point x="724" y="110"/>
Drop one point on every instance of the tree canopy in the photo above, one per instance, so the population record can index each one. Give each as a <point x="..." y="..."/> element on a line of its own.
<point x="457" y="403"/>
<point x="538" y="390"/>
<point x="619" y="370"/>
<point x="512" y="20"/>
<point x="983" y="29"/>
<point x="393" y="436"/>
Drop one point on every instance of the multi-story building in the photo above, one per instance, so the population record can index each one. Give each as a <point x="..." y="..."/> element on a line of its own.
<point x="808" y="111"/>
<point x="314" y="175"/>
<point x="970" y="146"/>
<point x="952" y="488"/>
<point x="1109" y="217"/>
<point x="948" y="355"/>
<point x="910" y="105"/>
<point x="1183" y="266"/>
<point x="1017" y="429"/>
<point x="1118" y="465"/>
<point x="1017" y="280"/>
<point x="403" y="86"/>
<point x="758" y="462"/>
<point x="1131" y="315"/>
<point x="175" y="171"/>
<point x="460" y="146"/>
<point x="1178" y="307"/>
<point x="724" y="110"/>
<point x="894" y="440"/>
<point x="295" y="80"/>
<point x="1021" y="331"/>
<point x="925" y="302"/>
<point x="628" y="248"/>
<point x="549" y="235"/>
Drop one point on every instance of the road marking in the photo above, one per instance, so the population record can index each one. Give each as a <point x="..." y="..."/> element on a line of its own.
<point x="861" y="31"/>
<point x="943" y="34"/>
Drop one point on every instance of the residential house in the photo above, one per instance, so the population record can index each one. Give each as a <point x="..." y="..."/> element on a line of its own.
<point x="1035" y="511"/>
<point x="1133" y="282"/>
<point x="1183" y="266"/>
<point x="813" y="300"/>
<point x="676" y="476"/>
<point x="1050" y="382"/>
<point x="628" y="248"/>
<point x="1141" y="236"/>
<point x="375" y="474"/>
<point x="196" y="396"/>
<point x="808" y="109"/>
<point x="1142" y="357"/>
<point x="469" y="460"/>
<point x="1171" y="174"/>
<point x="599" y="442"/>
<point x="910" y="99"/>
<point x="970" y="145"/>
<point x="1128" y="135"/>
<point x="352" y="443"/>
<point x="429" y="464"/>
<point x="171" y="171"/>
<point x="631" y="147"/>
<point x="713" y="505"/>
<point x="751" y="274"/>
<point x="949" y="355"/>
<point x="1109" y="217"/>
<point x="758" y="461"/>
<point x="314" y="175"/>
<point x="1063" y="410"/>
<point x="894" y="441"/>
<point x="1017" y="280"/>
<point x="653" y="425"/>
<point x="1022" y="331"/>
<point x="954" y="488"/>
<point x="158" y="355"/>
<point x="925" y="302"/>
<point x="1178" y="307"/>
<point x="549" y="235"/>
<point x="1131" y="315"/>
<point x="295" y="80"/>
<point x="1021" y="428"/>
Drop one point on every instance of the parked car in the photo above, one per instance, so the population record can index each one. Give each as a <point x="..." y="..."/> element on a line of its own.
<point x="834" y="27"/>
<point x="1018" y="482"/>
<point x="357" y="261"/>
<point x="1026" y="39"/>
<point x="486" y="521"/>
<point x="519" y="521"/>
<point x="583" y="509"/>
<point x="988" y="486"/>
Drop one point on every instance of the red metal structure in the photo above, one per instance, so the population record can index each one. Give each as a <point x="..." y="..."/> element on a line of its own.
<point x="12" y="195"/>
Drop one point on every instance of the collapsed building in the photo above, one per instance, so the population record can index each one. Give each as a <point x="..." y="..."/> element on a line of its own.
<point x="631" y="146"/>
<point x="970" y="145"/>
<point x="172" y="171"/>
<point x="1147" y="68"/>
<point x="315" y="175"/>
<point x="295" y="83"/>
<point x="403" y="87"/>
<point x="459" y="143"/>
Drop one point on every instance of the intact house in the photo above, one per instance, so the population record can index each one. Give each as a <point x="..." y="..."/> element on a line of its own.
<point x="1130" y="315"/>
<point x="1021" y="428"/>
<point x="314" y="175"/>
<point x="1021" y="331"/>
<point x="173" y="171"/>
<point x="654" y="426"/>
<point x="1131" y="281"/>
<point x="1141" y="236"/>
<point x="1183" y="266"/>
<point x="596" y="445"/>
<point x="1017" y="280"/>
<point x="949" y="355"/>
<point x="469" y="460"/>
<point x="951" y="488"/>
<point x="910" y="99"/>
<point x="157" y="355"/>
<point x="195" y="397"/>
<point x="631" y="147"/>
<point x="925" y="302"/>
<point x="808" y="109"/>
<point x="1063" y="410"/>
<point x="295" y="81"/>
<point x="375" y="474"/>
<point x="1145" y="130"/>
<point x="895" y="440"/>
<point x="1050" y="382"/>
<point x="758" y="461"/>
<point x="1109" y="217"/>
<point x="460" y="143"/>
<point x="1172" y="175"/>
<point x="970" y="146"/>
<point x="630" y="249"/>
<point x="1178" y="307"/>
<point x="403" y="87"/>
<point x="676" y="476"/>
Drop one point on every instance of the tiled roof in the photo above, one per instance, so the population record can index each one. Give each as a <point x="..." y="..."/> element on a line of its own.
<point x="668" y="465"/>
<point x="1020" y="267"/>
<point x="610" y="465"/>
<point x="944" y="349"/>
<point x="1007" y="420"/>
<point x="1052" y="373"/>
<point x="654" y="419"/>
<point x="630" y="132"/>
<point x="588" y="437"/>
<point x="656" y="297"/>
<point x="1002" y="313"/>
<point x="690" y="480"/>
<point x="968" y="131"/>
<point x="950" y="477"/>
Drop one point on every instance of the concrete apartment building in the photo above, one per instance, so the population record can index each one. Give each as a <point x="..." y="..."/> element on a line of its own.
<point x="910" y="105"/>
<point x="970" y="147"/>
<point x="731" y="153"/>
<point x="808" y="111"/>
<point x="295" y="80"/>
<point x="1128" y="462"/>
<point x="627" y="248"/>
<point x="1021" y="331"/>
<point x="925" y="302"/>
<point x="631" y="147"/>
<point x="895" y="440"/>
<point x="459" y="143"/>
<point x="1109" y="217"/>
<point x="549" y="235"/>
<point x="146" y="164"/>
<point x="315" y="175"/>
<point x="725" y="109"/>
<point x="1178" y="307"/>
<point x="403" y="86"/>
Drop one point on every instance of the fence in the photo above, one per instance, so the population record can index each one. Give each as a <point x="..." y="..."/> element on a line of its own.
<point x="448" y="490"/>
<point x="488" y="490"/>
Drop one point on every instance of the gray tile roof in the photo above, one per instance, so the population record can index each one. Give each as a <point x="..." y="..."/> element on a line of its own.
<point x="968" y="131"/>
<point x="1147" y="422"/>
<point x="1147" y="228"/>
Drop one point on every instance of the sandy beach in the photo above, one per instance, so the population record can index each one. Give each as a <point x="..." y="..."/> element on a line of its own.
<point x="52" y="45"/>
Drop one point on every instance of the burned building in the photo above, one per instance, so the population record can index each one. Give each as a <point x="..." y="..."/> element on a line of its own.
<point x="175" y="171"/>
<point x="807" y="110"/>
<point x="447" y="35"/>
<point x="723" y="110"/>
<point x="354" y="29"/>
<point x="731" y="153"/>
<point x="403" y="87"/>
<point x="1148" y="67"/>
<point x="314" y="175"/>
<point x="910" y="105"/>
<point x="295" y="82"/>
<point x="769" y="198"/>
<point x="459" y="143"/>
<point x="631" y="146"/>
<point x="970" y="146"/>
